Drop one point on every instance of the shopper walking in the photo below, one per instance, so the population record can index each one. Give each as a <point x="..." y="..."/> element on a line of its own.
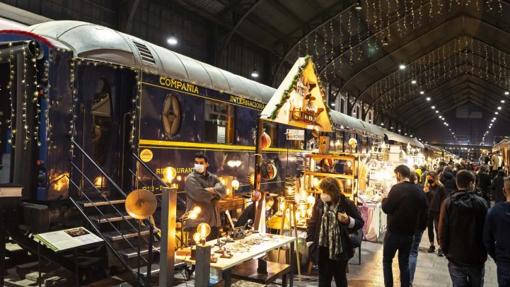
<point x="333" y="217"/>
<point x="436" y="194"/>
<point x="422" y="224"/>
<point x="484" y="182"/>
<point x="496" y="236"/>
<point x="461" y="231"/>
<point x="404" y="205"/>
<point x="497" y="187"/>
<point x="447" y="178"/>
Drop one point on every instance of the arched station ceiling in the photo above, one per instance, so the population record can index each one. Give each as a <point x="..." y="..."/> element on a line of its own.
<point x="456" y="50"/>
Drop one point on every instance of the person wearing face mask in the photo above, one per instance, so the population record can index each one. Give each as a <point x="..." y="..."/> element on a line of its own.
<point x="404" y="205"/>
<point x="461" y="226"/>
<point x="203" y="189"/>
<point x="436" y="194"/>
<point x="334" y="217"/>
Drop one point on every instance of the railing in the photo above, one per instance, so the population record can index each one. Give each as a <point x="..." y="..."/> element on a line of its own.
<point x="155" y="177"/>
<point x="137" y="276"/>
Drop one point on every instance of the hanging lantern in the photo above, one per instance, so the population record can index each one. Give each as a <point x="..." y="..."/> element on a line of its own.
<point x="265" y="141"/>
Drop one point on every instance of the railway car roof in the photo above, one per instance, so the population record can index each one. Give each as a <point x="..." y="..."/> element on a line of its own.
<point x="98" y="42"/>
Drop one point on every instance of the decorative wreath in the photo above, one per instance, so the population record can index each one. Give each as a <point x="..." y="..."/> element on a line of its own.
<point x="171" y="116"/>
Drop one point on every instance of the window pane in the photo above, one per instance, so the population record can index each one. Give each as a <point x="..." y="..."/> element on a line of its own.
<point x="216" y="122"/>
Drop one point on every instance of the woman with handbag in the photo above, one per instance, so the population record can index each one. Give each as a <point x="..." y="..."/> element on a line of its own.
<point x="334" y="218"/>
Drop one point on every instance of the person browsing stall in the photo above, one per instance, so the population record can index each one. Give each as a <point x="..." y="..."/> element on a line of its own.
<point x="334" y="217"/>
<point x="203" y="189"/>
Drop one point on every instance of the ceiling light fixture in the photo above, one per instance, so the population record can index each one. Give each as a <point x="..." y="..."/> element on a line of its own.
<point x="507" y="93"/>
<point x="499" y="108"/>
<point x="255" y="74"/>
<point x="402" y="67"/>
<point x="413" y="82"/>
<point x="172" y="40"/>
<point x="502" y="101"/>
<point x="358" y="6"/>
<point x="433" y="107"/>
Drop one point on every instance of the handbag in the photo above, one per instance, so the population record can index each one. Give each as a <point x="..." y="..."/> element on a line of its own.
<point x="356" y="237"/>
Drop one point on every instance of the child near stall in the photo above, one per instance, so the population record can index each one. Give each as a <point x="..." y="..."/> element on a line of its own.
<point x="334" y="217"/>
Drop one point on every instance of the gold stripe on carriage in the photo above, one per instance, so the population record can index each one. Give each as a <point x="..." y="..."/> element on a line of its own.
<point x="212" y="146"/>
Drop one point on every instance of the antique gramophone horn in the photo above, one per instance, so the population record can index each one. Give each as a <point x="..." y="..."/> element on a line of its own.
<point x="141" y="204"/>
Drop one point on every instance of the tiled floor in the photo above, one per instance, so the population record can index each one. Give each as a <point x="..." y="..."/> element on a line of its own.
<point x="431" y="270"/>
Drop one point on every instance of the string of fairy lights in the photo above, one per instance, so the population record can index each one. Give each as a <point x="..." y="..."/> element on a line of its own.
<point x="359" y="34"/>
<point x="363" y="27"/>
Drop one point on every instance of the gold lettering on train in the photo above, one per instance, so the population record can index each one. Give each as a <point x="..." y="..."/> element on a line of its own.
<point x="246" y="102"/>
<point x="178" y="85"/>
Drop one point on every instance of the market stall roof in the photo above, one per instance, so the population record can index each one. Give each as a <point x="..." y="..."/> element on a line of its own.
<point x="343" y="121"/>
<point x="498" y="146"/>
<point x="102" y="43"/>
<point x="416" y="143"/>
<point x="299" y="100"/>
<point x="397" y="138"/>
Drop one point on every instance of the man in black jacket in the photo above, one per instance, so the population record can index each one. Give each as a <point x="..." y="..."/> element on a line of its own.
<point x="404" y="205"/>
<point x="460" y="232"/>
<point x="496" y="236"/>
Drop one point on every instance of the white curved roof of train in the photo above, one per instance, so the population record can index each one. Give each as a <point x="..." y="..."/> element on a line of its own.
<point x="102" y="43"/>
<point x="98" y="42"/>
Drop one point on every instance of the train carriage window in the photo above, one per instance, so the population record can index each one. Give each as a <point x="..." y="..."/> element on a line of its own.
<point x="218" y="122"/>
<point x="102" y="121"/>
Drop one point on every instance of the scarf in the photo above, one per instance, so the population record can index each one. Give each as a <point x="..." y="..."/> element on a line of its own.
<point x="329" y="235"/>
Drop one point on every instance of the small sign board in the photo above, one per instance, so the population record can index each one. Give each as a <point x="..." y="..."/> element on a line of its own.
<point x="295" y="135"/>
<point x="67" y="239"/>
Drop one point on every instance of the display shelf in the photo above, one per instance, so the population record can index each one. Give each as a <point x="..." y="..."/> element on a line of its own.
<point x="327" y="174"/>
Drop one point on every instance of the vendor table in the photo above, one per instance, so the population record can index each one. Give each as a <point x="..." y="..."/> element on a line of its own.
<point x="225" y="265"/>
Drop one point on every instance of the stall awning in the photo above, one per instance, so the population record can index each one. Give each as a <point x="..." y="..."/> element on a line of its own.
<point x="417" y="143"/>
<point x="343" y="121"/>
<point x="397" y="138"/>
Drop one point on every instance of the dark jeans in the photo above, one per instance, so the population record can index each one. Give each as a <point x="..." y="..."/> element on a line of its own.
<point x="504" y="274"/>
<point x="331" y="268"/>
<point x="433" y="225"/>
<point x="413" y="256"/>
<point x="466" y="276"/>
<point x="394" y="242"/>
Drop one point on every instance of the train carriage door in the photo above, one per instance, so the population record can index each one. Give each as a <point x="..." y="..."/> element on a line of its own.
<point x="18" y="125"/>
<point x="105" y="98"/>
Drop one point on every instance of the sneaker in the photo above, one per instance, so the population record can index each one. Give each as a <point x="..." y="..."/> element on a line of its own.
<point x="440" y="252"/>
<point x="432" y="249"/>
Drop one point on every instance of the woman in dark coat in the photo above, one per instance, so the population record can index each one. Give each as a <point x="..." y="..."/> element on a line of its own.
<point x="334" y="217"/>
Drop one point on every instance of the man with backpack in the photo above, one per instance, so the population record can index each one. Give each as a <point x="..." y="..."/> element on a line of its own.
<point x="461" y="226"/>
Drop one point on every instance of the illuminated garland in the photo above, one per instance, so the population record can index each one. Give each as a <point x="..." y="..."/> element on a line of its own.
<point x="136" y="110"/>
<point x="36" y="102"/>
<point x="11" y="121"/>
<point x="47" y="100"/>
<point x="74" y="96"/>
<point x="136" y="101"/>
<point x="24" y="108"/>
